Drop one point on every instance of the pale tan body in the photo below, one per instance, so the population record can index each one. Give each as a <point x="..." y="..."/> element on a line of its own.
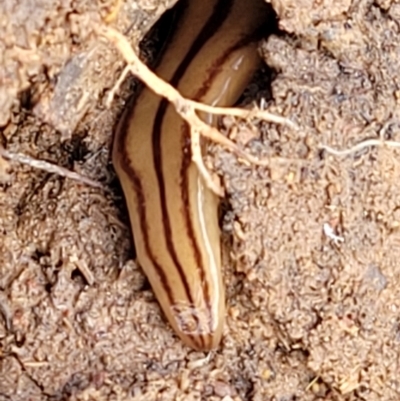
<point x="174" y="217"/>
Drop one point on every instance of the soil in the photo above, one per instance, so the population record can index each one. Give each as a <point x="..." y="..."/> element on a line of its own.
<point x="311" y="243"/>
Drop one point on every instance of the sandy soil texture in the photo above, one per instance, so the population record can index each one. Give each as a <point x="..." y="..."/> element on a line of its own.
<point x="311" y="243"/>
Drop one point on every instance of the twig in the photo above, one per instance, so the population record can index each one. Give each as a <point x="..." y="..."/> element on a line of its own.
<point x="186" y="108"/>
<point x="46" y="166"/>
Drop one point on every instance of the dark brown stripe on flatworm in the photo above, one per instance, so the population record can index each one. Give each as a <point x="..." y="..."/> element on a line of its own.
<point x="141" y="202"/>
<point x="220" y="13"/>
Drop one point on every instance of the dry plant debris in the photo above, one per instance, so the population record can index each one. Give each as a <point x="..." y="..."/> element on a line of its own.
<point x="187" y="108"/>
<point x="46" y="166"/>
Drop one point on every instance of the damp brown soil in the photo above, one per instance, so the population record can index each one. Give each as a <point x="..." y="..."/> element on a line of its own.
<point x="311" y="242"/>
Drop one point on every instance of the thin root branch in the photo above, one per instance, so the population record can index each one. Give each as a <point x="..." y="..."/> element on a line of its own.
<point x="117" y="85"/>
<point x="360" y="146"/>
<point x="243" y="113"/>
<point x="198" y="160"/>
